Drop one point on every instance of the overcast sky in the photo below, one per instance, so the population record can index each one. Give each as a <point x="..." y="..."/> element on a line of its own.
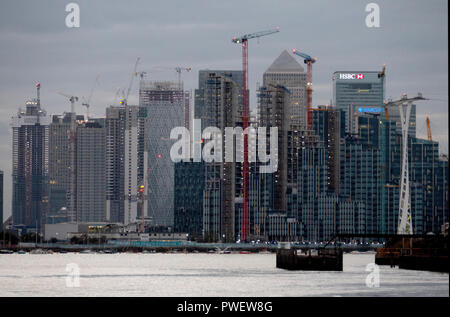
<point x="36" y="45"/>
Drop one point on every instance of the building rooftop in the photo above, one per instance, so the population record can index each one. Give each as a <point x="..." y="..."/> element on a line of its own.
<point x="285" y="63"/>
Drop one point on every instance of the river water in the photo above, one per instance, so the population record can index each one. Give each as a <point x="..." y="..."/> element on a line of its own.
<point x="217" y="275"/>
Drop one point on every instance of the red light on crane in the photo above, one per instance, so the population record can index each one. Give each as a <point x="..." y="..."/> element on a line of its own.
<point x="159" y="155"/>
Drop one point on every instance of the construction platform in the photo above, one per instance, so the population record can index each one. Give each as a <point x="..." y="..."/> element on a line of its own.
<point x="324" y="260"/>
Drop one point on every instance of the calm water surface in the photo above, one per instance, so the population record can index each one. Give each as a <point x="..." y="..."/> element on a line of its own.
<point x="128" y="274"/>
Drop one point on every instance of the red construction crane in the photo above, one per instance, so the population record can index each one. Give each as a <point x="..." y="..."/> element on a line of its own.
<point x="308" y="61"/>
<point x="429" y="129"/>
<point x="243" y="40"/>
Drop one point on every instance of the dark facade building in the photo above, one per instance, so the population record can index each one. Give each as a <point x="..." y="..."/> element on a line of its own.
<point x="59" y="168"/>
<point x="358" y="92"/>
<point x="30" y="165"/>
<point x="189" y="185"/>
<point x="322" y="212"/>
<point x="218" y="105"/>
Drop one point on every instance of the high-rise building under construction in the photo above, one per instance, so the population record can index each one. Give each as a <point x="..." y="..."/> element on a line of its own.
<point x="218" y="104"/>
<point x="30" y="164"/>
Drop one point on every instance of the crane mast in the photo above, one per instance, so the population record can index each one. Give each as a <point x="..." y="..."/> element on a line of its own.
<point x="244" y="41"/>
<point x="430" y="138"/>
<point x="308" y="61"/>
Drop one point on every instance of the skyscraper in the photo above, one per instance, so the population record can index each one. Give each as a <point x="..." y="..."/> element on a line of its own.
<point x="329" y="126"/>
<point x="282" y="103"/>
<point x="126" y="161"/>
<point x="59" y="168"/>
<point x="218" y="104"/>
<point x="287" y="72"/>
<point x="357" y="92"/>
<point x="30" y="164"/>
<point x="164" y="102"/>
<point x="274" y="101"/>
<point x="91" y="171"/>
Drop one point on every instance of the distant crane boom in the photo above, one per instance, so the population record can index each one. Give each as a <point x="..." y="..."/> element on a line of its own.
<point x="72" y="100"/>
<point x="306" y="57"/>
<point x="246" y="37"/>
<point x="124" y="102"/>
<point x="179" y="70"/>
<point x="87" y="103"/>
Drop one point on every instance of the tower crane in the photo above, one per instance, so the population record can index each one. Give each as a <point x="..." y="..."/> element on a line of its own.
<point x="308" y="60"/>
<point x="429" y="129"/>
<point x="115" y="95"/>
<point x="179" y="69"/>
<point x="243" y="40"/>
<point x="141" y="74"/>
<point x="72" y="100"/>
<point x="124" y="101"/>
<point x="87" y="103"/>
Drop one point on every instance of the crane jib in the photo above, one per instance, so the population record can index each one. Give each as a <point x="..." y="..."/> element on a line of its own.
<point x="254" y="35"/>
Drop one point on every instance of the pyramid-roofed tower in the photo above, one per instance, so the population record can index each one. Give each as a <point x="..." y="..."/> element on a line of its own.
<point x="287" y="71"/>
<point x="285" y="63"/>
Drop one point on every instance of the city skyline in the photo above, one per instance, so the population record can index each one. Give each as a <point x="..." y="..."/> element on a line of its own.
<point x="423" y="70"/>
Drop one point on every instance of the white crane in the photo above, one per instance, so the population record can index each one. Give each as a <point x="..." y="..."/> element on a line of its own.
<point x="124" y="101"/>
<point x="404" y="206"/>
<point x="87" y="103"/>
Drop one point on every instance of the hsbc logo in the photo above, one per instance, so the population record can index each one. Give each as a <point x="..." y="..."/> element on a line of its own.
<point x="351" y="76"/>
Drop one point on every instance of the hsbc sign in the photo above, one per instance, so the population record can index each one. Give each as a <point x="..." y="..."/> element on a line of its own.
<point x="351" y="76"/>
